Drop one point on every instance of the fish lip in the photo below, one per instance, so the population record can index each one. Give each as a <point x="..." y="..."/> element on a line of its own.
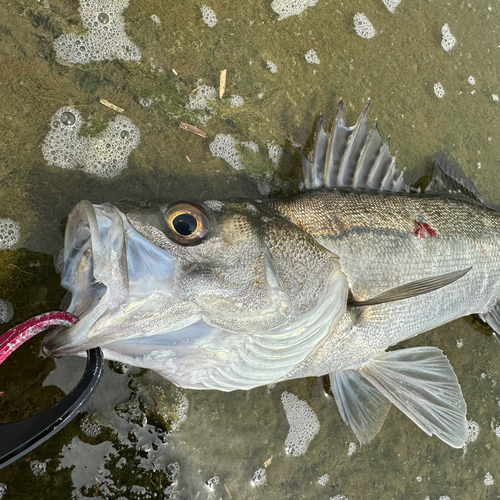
<point x="106" y="263"/>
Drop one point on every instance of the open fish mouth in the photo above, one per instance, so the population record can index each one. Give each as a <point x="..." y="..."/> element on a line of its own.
<point x="114" y="274"/>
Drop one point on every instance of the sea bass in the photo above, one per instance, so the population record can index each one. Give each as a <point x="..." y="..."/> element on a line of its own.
<point x="236" y="294"/>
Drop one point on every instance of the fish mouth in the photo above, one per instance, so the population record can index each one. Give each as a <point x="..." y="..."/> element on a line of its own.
<point x="114" y="275"/>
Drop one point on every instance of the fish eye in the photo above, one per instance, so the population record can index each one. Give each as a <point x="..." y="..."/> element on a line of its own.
<point x="187" y="223"/>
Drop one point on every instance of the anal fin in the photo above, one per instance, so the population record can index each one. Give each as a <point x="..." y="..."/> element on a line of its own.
<point x="422" y="384"/>
<point x="360" y="404"/>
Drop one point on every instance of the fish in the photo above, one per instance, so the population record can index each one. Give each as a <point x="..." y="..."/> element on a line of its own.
<point x="235" y="294"/>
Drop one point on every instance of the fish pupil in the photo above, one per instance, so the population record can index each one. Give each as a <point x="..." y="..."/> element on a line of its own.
<point x="185" y="224"/>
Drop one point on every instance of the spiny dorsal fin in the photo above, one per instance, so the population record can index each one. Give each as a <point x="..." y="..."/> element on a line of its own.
<point x="351" y="158"/>
<point x="448" y="178"/>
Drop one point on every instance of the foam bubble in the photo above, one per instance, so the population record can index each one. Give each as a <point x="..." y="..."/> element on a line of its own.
<point x="105" y="155"/>
<point x="275" y="152"/>
<point x="236" y="101"/>
<point x="3" y="490"/>
<point x="10" y="233"/>
<point x="312" y="57"/>
<point x="90" y="428"/>
<point x="488" y="479"/>
<point x="471" y="80"/>
<point x="323" y="479"/>
<point x="212" y="482"/>
<point x="391" y="5"/>
<point x="363" y="27"/>
<point x="339" y="497"/>
<point x="438" y="90"/>
<point x="288" y="8"/>
<point x="105" y="38"/>
<point x="180" y="409"/>
<point x="6" y="311"/>
<point x="495" y="97"/>
<point x="448" y="41"/>
<point x="200" y="99"/>
<point x="155" y="19"/>
<point x="304" y="424"/>
<point x="252" y="145"/>
<point x="351" y="449"/>
<point x="38" y="468"/>
<point x="472" y="433"/>
<point x="272" y="67"/>
<point x="259" y="477"/>
<point x="224" y="146"/>
<point x="209" y="17"/>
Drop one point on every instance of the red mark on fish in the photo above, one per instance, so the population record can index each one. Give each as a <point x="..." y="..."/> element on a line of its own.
<point x="423" y="229"/>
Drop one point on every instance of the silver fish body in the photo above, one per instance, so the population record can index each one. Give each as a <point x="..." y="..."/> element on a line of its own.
<point x="233" y="295"/>
<point x="384" y="241"/>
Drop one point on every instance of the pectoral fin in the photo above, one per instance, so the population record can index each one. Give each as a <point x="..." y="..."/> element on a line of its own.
<point x="422" y="384"/>
<point x="412" y="289"/>
<point x="360" y="404"/>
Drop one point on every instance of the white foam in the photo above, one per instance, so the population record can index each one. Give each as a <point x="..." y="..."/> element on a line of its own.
<point x="6" y="311"/>
<point x="323" y="479"/>
<point x="439" y="90"/>
<point x="391" y="5"/>
<point x="90" y="428"/>
<point x="272" y="67"/>
<point x="212" y="482"/>
<point x="224" y="146"/>
<point x="104" y="155"/>
<point x="288" y="8"/>
<point x="448" y="41"/>
<point x="275" y="153"/>
<point x="363" y="27"/>
<point x="488" y="479"/>
<point x="236" y="101"/>
<point x="3" y="490"/>
<point x="312" y="57"/>
<point x="351" y="449"/>
<point x="10" y="233"/>
<point x="38" y="468"/>
<point x="304" y="424"/>
<point x="471" y="80"/>
<point x="155" y="19"/>
<point x="209" y="17"/>
<point x="259" y="477"/>
<point x="105" y="38"/>
<point x="200" y="99"/>
<point x="472" y="433"/>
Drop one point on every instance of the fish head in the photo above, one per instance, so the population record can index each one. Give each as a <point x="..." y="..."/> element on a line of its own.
<point x="189" y="289"/>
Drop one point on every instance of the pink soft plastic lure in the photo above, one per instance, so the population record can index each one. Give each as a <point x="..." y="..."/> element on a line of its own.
<point x="17" y="336"/>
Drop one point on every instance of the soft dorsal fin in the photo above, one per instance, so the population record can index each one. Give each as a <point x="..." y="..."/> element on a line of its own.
<point x="448" y="178"/>
<point x="351" y="158"/>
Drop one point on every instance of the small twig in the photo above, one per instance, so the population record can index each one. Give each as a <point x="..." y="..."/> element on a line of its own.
<point x="111" y="106"/>
<point x="228" y="492"/>
<point x="187" y="158"/>
<point x="193" y="129"/>
<point x="222" y="87"/>
<point x="174" y="72"/>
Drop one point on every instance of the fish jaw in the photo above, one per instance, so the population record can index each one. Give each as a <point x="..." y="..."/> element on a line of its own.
<point x="115" y="277"/>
